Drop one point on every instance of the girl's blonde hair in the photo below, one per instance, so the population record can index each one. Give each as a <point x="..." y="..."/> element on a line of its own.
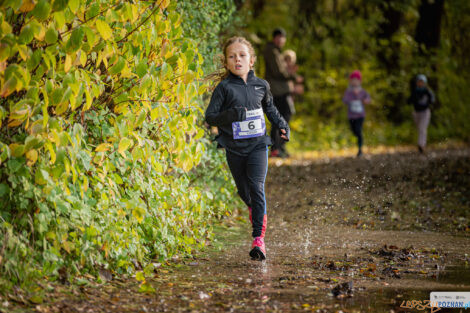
<point x="222" y="72"/>
<point x="290" y="54"/>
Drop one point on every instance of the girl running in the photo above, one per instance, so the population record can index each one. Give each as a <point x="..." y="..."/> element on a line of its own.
<point x="237" y="108"/>
<point x="422" y="98"/>
<point x="355" y="98"/>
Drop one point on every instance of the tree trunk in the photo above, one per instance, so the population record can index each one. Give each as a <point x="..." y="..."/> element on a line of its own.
<point x="389" y="55"/>
<point x="428" y="35"/>
<point x="428" y="30"/>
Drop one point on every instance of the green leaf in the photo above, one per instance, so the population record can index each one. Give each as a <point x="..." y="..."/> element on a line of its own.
<point x="141" y="69"/>
<point x="4" y="189"/>
<point x="93" y="11"/>
<point x="4" y="51"/>
<point x="57" y="95"/>
<point x="59" y="5"/>
<point x="59" y="18"/>
<point x="75" y="41"/>
<point x="26" y="35"/>
<point x="118" y="67"/>
<point x="51" y="36"/>
<point x="74" y="5"/>
<point x="104" y="29"/>
<point x="34" y="60"/>
<point x="42" y="10"/>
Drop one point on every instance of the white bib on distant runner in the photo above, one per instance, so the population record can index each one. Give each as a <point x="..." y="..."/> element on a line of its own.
<point x="253" y="126"/>
<point x="356" y="106"/>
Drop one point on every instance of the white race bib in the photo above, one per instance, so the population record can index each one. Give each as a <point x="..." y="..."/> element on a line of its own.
<point x="356" y="106"/>
<point x="253" y="126"/>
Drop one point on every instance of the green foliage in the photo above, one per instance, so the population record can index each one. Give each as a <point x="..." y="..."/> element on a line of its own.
<point x="102" y="161"/>
<point x="206" y="21"/>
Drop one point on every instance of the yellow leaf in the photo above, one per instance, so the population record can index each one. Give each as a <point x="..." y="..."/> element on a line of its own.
<point x="68" y="63"/>
<point x="68" y="246"/>
<point x="139" y="214"/>
<point x="8" y="87"/>
<point x="103" y="147"/>
<point x="27" y="5"/>
<point x="139" y="276"/>
<point x="51" y="152"/>
<point x="104" y="29"/>
<point x="88" y="102"/>
<point x="16" y="149"/>
<point x="124" y="144"/>
<point x="41" y="33"/>
<point x="24" y="52"/>
<point x="83" y="58"/>
<point x="14" y="123"/>
<point x="85" y="183"/>
<point x="5" y="28"/>
<point x="32" y="156"/>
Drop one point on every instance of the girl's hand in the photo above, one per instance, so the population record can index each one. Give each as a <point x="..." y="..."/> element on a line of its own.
<point x="284" y="134"/>
<point x="366" y="101"/>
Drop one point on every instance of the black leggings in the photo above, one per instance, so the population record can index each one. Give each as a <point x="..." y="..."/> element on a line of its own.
<point x="356" y="127"/>
<point x="249" y="173"/>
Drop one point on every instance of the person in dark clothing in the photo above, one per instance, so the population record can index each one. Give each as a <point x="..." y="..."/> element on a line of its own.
<point x="237" y="108"/>
<point x="355" y="97"/>
<point x="278" y="77"/>
<point x="422" y="98"/>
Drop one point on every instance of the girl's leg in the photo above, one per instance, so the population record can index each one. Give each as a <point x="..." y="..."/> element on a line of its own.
<point x="237" y="165"/>
<point x="356" y="128"/>
<point x="423" y="127"/>
<point x="417" y="120"/>
<point x="256" y="170"/>
<point x="359" y="123"/>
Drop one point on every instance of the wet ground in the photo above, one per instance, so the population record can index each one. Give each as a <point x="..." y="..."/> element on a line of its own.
<point x="344" y="235"/>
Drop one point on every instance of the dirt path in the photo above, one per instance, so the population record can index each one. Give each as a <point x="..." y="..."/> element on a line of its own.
<point x="344" y="235"/>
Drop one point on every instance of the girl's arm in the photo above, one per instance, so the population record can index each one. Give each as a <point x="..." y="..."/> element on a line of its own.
<point x="367" y="98"/>
<point x="273" y="114"/>
<point x="432" y="98"/>
<point x="215" y="117"/>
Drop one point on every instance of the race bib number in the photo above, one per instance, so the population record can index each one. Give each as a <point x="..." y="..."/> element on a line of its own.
<point x="253" y="126"/>
<point x="356" y="106"/>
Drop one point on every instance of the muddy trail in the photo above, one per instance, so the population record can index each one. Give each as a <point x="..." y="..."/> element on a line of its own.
<point x="344" y="235"/>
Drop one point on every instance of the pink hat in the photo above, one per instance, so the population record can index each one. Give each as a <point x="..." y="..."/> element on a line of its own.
<point x="356" y="74"/>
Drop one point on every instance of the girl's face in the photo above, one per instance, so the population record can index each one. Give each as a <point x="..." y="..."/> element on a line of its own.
<point x="420" y="84"/>
<point x="354" y="82"/>
<point x="238" y="59"/>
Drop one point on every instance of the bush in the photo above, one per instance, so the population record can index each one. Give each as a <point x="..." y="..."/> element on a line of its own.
<point x="102" y="161"/>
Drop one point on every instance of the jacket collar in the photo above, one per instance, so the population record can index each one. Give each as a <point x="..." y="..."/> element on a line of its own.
<point x="236" y="78"/>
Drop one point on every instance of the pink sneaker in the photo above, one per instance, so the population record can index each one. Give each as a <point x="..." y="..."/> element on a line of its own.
<point x="258" y="250"/>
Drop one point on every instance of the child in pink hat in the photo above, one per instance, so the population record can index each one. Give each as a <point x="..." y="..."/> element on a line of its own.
<point x="355" y="97"/>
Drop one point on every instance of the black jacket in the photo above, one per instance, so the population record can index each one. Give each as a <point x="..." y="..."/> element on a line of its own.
<point x="421" y="99"/>
<point x="229" y="102"/>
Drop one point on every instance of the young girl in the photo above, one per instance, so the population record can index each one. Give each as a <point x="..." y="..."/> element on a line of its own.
<point x="355" y="98"/>
<point x="295" y="85"/>
<point x="422" y="98"/>
<point x="237" y="108"/>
